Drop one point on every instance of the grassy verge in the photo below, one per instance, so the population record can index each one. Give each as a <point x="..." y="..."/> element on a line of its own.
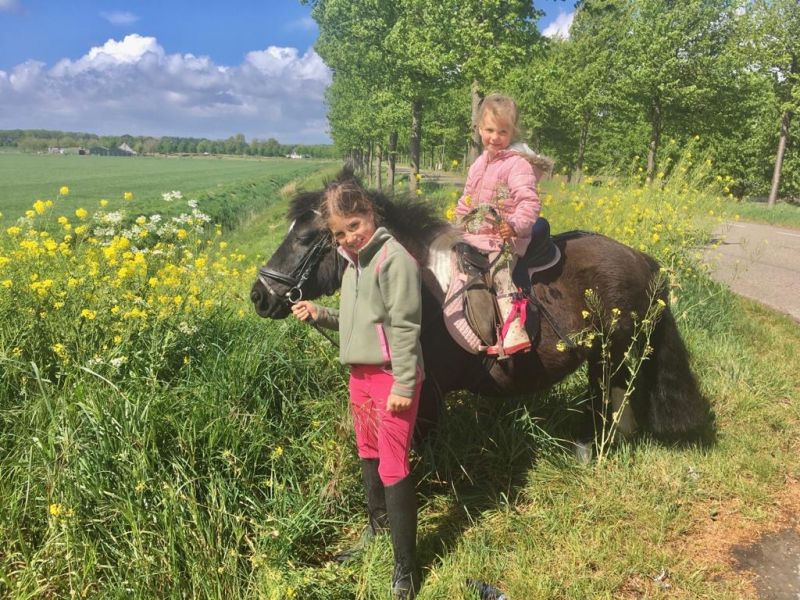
<point x="157" y="439"/>
<point x="782" y="214"/>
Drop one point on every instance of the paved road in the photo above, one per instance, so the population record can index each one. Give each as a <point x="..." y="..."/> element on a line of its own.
<point x="760" y="262"/>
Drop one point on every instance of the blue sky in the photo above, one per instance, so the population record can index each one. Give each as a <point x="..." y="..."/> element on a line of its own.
<point x="170" y="67"/>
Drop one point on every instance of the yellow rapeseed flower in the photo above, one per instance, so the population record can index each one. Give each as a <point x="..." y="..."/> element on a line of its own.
<point x="63" y="191"/>
<point x="127" y="196"/>
<point x="39" y="206"/>
<point x="13" y="230"/>
<point x="103" y="202"/>
<point x="81" y="213"/>
<point x="88" y="314"/>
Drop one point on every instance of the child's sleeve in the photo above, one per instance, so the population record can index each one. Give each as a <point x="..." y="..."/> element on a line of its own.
<point x="400" y="285"/>
<point x="327" y="317"/>
<point x="464" y="205"/>
<point x="524" y="196"/>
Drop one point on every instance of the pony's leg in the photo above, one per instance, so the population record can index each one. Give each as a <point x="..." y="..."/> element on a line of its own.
<point x="599" y="415"/>
<point x="622" y="412"/>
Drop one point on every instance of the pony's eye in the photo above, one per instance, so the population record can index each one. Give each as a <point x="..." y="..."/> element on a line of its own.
<point x="306" y="237"/>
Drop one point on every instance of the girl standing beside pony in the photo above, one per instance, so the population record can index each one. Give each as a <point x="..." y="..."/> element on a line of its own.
<point x="379" y="323"/>
<point x="499" y="206"/>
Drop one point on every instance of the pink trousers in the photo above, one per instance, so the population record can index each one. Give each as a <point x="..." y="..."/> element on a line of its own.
<point x="381" y="434"/>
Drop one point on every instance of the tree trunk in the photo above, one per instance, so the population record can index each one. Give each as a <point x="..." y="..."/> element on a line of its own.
<point x="475" y="140"/>
<point x="584" y="135"/>
<point x="379" y="153"/>
<point x="369" y="163"/>
<point x="392" y="158"/>
<point x="776" y="173"/>
<point x="786" y="121"/>
<point x="414" y="145"/>
<point x="655" y="136"/>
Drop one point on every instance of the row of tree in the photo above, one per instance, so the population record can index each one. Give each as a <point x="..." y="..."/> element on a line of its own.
<point x="633" y="86"/>
<point x="39" y="140"/>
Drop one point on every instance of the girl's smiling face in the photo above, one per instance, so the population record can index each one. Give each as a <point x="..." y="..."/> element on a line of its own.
<point x="352" y="232"/>
<point x="495" y="133"/>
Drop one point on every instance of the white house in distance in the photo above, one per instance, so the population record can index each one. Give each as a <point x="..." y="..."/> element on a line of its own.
<point x="294" y="154"/>
<point x="125" y="148"/>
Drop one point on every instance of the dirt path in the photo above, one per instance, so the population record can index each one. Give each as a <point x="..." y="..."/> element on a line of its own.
<point x="760" y="262"/>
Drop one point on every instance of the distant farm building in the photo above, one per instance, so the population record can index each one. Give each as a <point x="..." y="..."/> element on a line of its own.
<point x="121" y="150"/>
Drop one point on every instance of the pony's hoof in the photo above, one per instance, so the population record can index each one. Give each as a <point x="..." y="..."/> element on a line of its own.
<point x="583" y="451"/>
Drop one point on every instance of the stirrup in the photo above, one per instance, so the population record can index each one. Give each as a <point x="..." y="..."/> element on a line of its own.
<point x="503" y="352"/>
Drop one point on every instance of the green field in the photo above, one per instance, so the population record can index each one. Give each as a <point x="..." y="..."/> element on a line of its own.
<point x="25" y="178"/>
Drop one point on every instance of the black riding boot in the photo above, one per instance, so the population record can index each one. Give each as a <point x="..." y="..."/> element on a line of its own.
<point x="401" y="506"/>
<point x="376" y="509"/>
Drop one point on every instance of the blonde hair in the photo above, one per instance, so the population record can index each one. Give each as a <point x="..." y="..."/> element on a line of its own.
<point x="345" y="198"/>
<point x="501" y="108"/>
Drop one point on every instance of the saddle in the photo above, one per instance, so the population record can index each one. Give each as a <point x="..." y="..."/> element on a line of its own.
<point x="470" y="305"/>
<point x="479" y="298"/>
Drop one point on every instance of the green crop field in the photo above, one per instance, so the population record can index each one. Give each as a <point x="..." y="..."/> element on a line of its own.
<point x="25" y="178"/>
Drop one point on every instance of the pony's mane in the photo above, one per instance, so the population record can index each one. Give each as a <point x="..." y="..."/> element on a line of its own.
<point x="304" y="204"/>
<point x="414" y="223"/>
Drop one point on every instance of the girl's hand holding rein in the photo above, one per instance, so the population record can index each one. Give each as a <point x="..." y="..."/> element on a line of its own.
<point x="305" y="310"/>
<point x="506" y="231"/>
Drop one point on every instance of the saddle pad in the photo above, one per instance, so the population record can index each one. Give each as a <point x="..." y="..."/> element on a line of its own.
<point x="454" y="318"/>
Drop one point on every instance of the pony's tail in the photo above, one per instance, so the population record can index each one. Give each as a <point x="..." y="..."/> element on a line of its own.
<point x="675" y="408"/>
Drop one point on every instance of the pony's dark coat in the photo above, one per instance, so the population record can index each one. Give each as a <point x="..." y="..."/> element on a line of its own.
<point x="666" y="402"/>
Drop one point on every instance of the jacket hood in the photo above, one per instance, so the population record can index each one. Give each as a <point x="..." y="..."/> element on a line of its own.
<point x="370" y="248"/>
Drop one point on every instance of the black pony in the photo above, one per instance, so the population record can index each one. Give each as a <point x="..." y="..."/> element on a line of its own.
<point x="666" y="401"/>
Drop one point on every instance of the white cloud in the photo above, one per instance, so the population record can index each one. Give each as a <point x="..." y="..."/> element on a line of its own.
<point x="559" y="27"/>
<point x="119" y="17"/>
<point x="133" y="86"/>
<point x="302" y="24"/>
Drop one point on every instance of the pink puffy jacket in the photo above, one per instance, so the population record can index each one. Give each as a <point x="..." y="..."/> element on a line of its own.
<point x="507" y="183"/>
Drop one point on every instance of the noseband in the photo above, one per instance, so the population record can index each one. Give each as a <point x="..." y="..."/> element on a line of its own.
<point x="301" y="272"/>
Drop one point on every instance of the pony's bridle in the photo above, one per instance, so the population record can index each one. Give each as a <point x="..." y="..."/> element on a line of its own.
<point x="301" y="272"/>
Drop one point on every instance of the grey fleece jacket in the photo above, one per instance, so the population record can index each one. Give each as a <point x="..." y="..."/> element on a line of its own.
<point x="380" y="313"/>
